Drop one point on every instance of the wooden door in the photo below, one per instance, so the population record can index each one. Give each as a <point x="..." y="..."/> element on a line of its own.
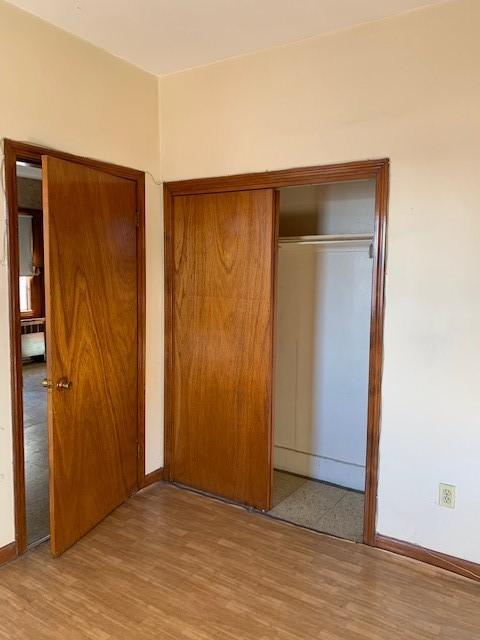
<point x="91" y="310"/>
<point x="223" y="281"/>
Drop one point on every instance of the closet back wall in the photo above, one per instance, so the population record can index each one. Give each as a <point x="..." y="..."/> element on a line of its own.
<point x="405" y="88"/>
<point x="323" y="334"/>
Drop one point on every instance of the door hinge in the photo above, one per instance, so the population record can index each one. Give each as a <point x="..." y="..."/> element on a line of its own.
<point x="137" y="218"/>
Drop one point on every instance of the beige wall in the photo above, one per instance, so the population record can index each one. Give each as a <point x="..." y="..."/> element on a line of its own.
<point x="58" y="91"/>
<point x="407" y="88"/>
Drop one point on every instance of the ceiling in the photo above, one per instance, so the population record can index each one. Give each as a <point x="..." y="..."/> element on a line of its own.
<point x="165" y="36"/>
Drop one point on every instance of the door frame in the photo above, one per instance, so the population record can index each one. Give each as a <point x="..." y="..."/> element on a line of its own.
<point x="377" y="170"/>
<point x="22" y="151"/>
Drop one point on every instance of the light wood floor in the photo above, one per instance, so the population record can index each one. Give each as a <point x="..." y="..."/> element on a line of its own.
<point x="171" y="564"/>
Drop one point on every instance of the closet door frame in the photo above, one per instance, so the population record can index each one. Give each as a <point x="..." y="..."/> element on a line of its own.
<point x="377" y="170"/>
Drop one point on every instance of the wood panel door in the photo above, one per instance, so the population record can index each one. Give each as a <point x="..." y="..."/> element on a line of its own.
<point x="223" y="308"/>
<point x="91" y="309"/>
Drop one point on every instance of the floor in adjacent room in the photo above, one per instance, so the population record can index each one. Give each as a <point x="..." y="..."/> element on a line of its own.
<point x="36" y="451"/>
<point x="317" y="505"/>
<point x="173" y="564"/>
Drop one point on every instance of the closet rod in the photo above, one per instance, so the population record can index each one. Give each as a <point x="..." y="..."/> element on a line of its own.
<point x="350" y="237"/>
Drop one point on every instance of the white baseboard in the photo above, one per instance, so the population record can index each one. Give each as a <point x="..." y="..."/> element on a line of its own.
<point x="319" y="468"/>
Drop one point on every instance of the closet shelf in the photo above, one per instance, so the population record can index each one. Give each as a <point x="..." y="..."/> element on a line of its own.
<point x="324" y="239"/>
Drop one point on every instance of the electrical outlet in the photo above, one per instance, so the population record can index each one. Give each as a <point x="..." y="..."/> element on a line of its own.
<point x="446" y="496"/>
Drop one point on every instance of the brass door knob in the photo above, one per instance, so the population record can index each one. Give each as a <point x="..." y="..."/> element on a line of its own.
<point x="48" y="384"/>
<point x="64" y="384"/>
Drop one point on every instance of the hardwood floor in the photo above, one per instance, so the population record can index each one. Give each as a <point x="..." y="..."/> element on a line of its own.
<point x="172" y="564"/>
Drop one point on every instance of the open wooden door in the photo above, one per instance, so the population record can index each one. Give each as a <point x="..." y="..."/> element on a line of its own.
<point x="223" y="308"/>
<point x="91" y="310"/>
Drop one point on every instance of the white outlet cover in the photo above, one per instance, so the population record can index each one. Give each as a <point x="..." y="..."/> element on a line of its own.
<point x="446" y="495"/>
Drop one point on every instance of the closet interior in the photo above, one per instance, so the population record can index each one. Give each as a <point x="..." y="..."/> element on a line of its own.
<point x="324" y="289"/>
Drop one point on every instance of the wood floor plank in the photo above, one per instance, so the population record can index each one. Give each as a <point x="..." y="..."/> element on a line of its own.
<point x="171" y="564"/>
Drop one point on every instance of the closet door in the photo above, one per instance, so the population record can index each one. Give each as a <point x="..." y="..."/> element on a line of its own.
<point x="224" y="255"/>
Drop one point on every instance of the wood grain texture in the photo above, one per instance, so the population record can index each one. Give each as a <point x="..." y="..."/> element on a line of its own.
<point x="152" y="477"/>
<point x="450" y="563"/>
<point x="323" y="174"/>
<point x="223" y="322"/>
<point x="376" y="353"/>
<point x="91" y="302"/>
<point x="173" y="565"/>
<point x="365" y="169"/>
<point x="29" y="152"/>
<point x="169" y="327"/>
<point x="141" y="326"/>
<point x="8" y="553"/>
<point x="21" y="151"/>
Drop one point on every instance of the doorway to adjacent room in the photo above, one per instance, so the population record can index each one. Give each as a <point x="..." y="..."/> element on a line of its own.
<point x="77" y="298"/>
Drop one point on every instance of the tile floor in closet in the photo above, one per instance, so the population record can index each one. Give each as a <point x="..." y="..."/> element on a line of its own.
<point x="318" y="506"/>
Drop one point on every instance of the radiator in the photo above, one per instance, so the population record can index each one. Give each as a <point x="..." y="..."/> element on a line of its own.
<point x="33" y="338"/>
